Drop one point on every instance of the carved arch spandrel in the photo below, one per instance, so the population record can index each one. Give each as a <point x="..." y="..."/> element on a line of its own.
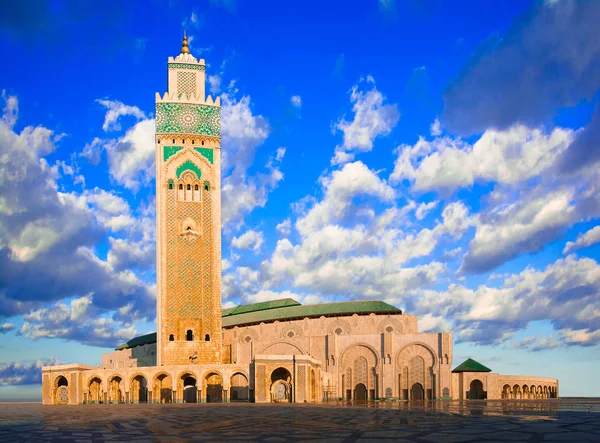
<point x="349" y="354"/>
<point x="406" y="353"/>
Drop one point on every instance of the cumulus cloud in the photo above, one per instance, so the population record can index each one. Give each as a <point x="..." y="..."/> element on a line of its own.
<point x="296" y="101"/>
<point x="250" y="239"/>
<point x="371" y="119"/>
<point x="284" y="228"/>
<point x="566" y="293"/>
<point x="424" y="209"/>
<point x="20" y="373"/>
<point x="546" y="60"/>
<point x="584" y="240"/>
<point x="506" y="157"/>
<point x="6" y="327"/>
<point x="116" y="110"/>
<point x="436" y="128"/>
<point x="47" y="239"/>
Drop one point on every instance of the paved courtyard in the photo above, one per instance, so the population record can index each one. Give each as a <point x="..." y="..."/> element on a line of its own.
<point x="454" y="421"/>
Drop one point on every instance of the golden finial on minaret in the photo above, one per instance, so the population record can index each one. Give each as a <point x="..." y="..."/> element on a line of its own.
<point x="184" y="45"/>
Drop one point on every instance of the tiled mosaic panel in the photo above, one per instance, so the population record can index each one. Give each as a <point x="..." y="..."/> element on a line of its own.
<point x="187" y="66"/>
<point x="301" y="389"/>
<point x="182" y="118"/>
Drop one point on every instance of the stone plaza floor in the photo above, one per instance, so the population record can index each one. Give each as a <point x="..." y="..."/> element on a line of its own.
<point x="440" y="421"/>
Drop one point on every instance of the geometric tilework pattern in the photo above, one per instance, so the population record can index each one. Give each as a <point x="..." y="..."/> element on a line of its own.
<point x="184" y="118"/>
<point x="186" y="66"/>
<point x="186" y="83"/>
<point x="301" y="390"/>
<point x="360" y="371"/>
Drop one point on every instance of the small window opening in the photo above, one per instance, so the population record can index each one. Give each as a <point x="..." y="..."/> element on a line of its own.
<point x="195" y="187"/>
<point x="206" y="187"/>
<point x="189" y="187"/>
<point x="202" y="142"/>
<point x="170" y="185"/>
<point x="159" y="142"/>
<point x="338" y="331"/>
<point x="171" y="337"/>
<point x="207" y="337"/>
<point x="189" y="228"/>
<point x="173" y="141"/>
<point x="192" y="142"/>
<point x="189" y="335"/>
<point x="180" y="187"/>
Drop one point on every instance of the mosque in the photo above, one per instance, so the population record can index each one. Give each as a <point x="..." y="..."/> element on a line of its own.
<point x="276" y="351"/>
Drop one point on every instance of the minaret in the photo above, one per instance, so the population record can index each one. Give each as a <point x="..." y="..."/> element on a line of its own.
<point x="188" y="216"/>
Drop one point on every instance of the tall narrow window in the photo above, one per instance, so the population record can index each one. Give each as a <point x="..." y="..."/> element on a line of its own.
<point x="189" y="335"/>
<point x="171" y="337"/>
<point x="189" y="187"/>
<point x="195" y="187"/>
<point x="180" y="187"/>
<point x="170" y="185"/>
<point x="206" y="186"/>
<point x="207" y="337"/>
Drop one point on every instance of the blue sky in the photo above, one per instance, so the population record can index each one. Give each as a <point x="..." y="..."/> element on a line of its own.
<point x="440" y="156"/>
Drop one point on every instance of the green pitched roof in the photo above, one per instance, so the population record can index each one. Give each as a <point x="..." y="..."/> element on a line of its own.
<point x="470" y="365"/>
<point x="284" y="309"/>
<point x="300" y="311"/>
<point x="263" y="306"/>
<point x="139" y="341"/>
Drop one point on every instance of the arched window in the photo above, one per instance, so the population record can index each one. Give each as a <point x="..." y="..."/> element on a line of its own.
<point x="170" y="185"/>
<point x="206" y="186"/>
<point x="195" y="187"/>
<point x="202" y="142"/>
<point x="180" y="187"/>
<point x="173" y="141"/>
<point x="192" y="142"/>
<point x="171" y="337"/>
<point x="189" y="335"/>
<point x="207" y="337"/>
<point x="189" y="187"/>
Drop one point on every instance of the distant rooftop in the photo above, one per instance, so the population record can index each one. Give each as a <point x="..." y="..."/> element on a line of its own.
<point x="470" y="365"/>
<point x="281" y="310"/>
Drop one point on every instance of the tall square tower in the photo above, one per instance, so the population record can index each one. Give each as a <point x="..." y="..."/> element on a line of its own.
<point x="188" y="217"/>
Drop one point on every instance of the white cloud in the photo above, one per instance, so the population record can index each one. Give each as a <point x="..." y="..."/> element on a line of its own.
<point x="10" y="111"/>
<point x="424" y="209"/>
<point x="436" y="128"/>
<point x="116" y="110"/>
<point x="284" y="228"/>
<point x="371" y="119"/>
<point x="6" y="327"/>
<point x="215" y="83"/>
<point x="131" y="157"/>
<point x="584" y="240"/>
<point x="248" y="240"/>
<point x="296" y="101"/>
<point x="507" y="157"/>
<point x="352" y="180"/>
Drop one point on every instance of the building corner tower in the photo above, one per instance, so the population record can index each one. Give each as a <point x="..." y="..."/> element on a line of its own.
<point x="188" y="217"/>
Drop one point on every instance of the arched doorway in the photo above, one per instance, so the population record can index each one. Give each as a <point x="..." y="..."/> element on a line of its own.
<point x="190" y="391"/>
<point x="214" y="388"/>
<point x="417" y="392"/>
<point x="163" y="389"/>
<point x="115" y="394"/>
<point x="360" y="392"/>
<point x="139" y="389"/>
<point x="281" y="387"/>
<point x="239" y="387"/>
<point x="95" y="390"/>
<point x="61" y="392"/>
<point x="476" y="390"/>
<point x="506" y="392"/>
